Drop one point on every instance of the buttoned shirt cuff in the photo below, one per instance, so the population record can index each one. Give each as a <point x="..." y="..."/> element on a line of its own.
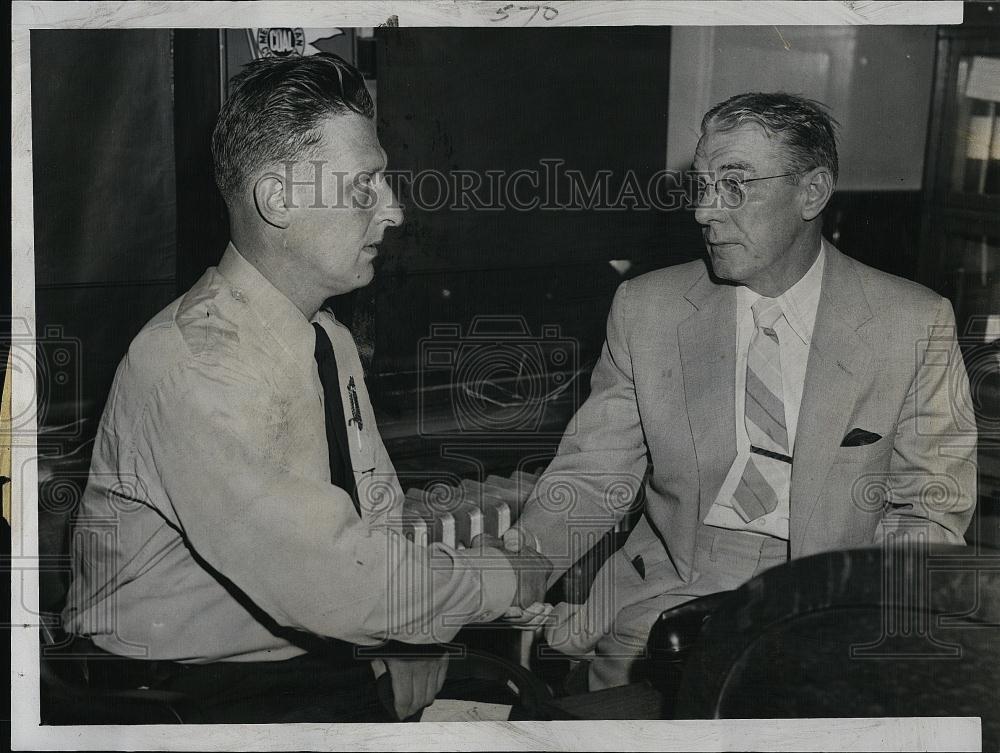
<point x="499" y="584"/>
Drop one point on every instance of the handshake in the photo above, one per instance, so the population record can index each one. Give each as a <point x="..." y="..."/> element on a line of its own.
<point x="528" y="611"/>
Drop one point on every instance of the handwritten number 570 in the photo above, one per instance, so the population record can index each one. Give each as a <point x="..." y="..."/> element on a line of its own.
<point x="504" y="12"/>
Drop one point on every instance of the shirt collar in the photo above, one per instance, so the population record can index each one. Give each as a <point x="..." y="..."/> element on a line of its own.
<point x="276" y="312"/>
<point x="801" y="301"/>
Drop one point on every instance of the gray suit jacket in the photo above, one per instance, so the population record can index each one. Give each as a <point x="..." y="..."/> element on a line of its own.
<point x="883" y="358"/>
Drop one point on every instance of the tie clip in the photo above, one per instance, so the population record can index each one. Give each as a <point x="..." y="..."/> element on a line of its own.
<point x="772" y="455"/>
<point x="352" y="394"/>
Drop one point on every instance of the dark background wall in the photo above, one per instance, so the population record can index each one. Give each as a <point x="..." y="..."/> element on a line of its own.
<point x="596" y="99"/>
<point x="480" y="100"/>
<point x="104" y="204"/>
<point x="105" y="216"/>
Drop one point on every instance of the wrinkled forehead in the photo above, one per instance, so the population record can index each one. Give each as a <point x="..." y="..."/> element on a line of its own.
<point x="748" y="147"/>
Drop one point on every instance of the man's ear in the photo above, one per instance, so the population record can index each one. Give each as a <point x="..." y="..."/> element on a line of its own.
<point x="269" y="199"/>
<point x="818" y="183"/>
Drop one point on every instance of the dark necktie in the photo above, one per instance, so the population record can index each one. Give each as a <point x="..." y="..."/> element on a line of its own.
<point x="341" y="470"/>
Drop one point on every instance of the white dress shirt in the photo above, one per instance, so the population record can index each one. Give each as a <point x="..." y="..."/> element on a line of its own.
<point x="209" y="510"/>
<point x="798" y="304"/>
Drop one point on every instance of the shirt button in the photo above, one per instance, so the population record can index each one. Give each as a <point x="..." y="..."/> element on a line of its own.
<point x="237" y="294"/>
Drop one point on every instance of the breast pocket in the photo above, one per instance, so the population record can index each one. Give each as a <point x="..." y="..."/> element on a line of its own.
<point x="864" y="454"/>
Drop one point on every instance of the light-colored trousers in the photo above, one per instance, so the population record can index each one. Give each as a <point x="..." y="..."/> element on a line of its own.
<point x="723" y="560"/>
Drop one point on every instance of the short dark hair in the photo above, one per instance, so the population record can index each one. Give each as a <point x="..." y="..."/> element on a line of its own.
<point x="274" y="111"/>
<point x="804" y="125"/>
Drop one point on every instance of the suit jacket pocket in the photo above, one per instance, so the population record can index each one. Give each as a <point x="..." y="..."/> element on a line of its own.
<point x="643" y="542"/>
<point x="864" y="454"/>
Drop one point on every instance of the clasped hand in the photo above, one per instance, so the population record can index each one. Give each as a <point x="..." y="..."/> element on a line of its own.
<point x="528" y="611"/>
<point x="416" y="681"/>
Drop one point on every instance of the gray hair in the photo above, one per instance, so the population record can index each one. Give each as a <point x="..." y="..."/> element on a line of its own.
<point x="804" y="125"/>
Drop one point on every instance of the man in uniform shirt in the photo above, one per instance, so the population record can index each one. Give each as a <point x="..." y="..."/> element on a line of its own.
<point x="232" y="541"/>
<point x="789" y="399"/>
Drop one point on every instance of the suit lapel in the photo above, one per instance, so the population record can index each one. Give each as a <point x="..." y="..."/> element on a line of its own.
<point x="838" y="361"/>
<point x="707" y="341"/>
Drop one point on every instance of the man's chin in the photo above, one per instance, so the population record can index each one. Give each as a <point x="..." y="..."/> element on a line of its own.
<point x="365" y="275"/>
<point x="724" y="269"/>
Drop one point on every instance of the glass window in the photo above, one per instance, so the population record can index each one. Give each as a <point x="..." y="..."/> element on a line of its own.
<point x="976" y="164"/>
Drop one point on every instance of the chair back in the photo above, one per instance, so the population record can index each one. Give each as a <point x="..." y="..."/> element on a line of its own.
<point x="912" y="631"/>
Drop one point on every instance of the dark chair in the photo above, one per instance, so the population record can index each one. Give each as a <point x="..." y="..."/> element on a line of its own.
<point x="67" y="698"/>
<point x="482" y="676"/>
<point x="861" y="633"/>
<point x="672" y="641"/>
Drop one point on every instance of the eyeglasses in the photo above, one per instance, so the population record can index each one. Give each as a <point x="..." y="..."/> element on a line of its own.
<point x="731" y="191"/>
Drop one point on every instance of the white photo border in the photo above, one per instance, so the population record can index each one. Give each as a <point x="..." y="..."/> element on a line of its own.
<point x="27" y="733"/>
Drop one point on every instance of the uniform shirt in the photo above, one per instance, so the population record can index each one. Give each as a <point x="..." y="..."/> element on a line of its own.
<point x="209" y="511"/>
<point x="799" y="305"/>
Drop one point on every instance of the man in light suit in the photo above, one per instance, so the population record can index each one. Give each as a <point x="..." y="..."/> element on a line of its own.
<point x="784" y="398"/>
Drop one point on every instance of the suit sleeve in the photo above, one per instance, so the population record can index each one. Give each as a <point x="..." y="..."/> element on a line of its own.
<point x="293" y="544"/>
<point x="601" y="460"/>
<point x="932" y="479"/>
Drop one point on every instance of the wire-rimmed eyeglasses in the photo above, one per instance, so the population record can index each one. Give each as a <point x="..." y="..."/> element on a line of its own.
<point x="730" y="190"/>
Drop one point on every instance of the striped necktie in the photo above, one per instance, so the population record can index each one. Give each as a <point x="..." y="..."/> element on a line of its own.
<point x="766" y="479"/>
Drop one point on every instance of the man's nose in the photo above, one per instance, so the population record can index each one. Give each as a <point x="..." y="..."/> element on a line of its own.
<point x="392" y="210"/>
<point x="703" y="215"/>
<point x="707" y="208"/>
